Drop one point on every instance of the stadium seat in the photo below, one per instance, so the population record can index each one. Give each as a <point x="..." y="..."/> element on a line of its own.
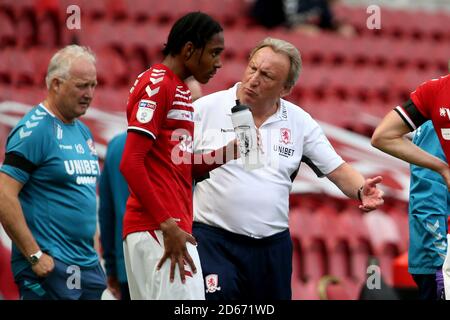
<point x="16" y="68"/>
<point x="27" y="95"/>
<point x="17" y="7"/>
<point x="305" y="290"/>
<point x="228" y="12"/>
<point x="313" y="258"/>
<point x="385" y="238"/>
<point x="111" y="69"/>
<point x="339" y="263"/>
<point x="111" y="99"/>
<point x="48" y="35"/>
<point x="161" y="12"/>
<point x="6" y="70"/>
<point x="352" y="226"/>
<point x="26" y="30"/>
<point x="7" y="30"/>
<point x="332" y="288"/>
<point x="231" y="72"/>
<point x="90" y="10"/>
<point x="238" y="44"/>
<point x="8" y="289"/>
<point x="40" y="58"/>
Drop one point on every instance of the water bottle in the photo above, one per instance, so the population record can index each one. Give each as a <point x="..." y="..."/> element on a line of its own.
<point x="245" y="129"/>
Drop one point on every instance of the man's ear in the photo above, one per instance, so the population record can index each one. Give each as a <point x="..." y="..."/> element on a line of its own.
<point x="188" y="50"/>
<point x="286" y="91"/>
<point x="55" y="84"/>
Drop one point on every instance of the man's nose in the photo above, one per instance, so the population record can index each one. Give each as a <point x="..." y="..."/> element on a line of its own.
<point x="254" y="79"/>
<point x="218" y="64"/>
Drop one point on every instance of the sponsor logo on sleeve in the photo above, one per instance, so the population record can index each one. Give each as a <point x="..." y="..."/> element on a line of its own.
<point x="445" y="133"/>
<point x="145" y="111"/>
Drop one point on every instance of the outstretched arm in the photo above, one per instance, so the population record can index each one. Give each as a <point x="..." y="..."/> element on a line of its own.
<point x="354" y="186"/>
<point x="389" y="138"/>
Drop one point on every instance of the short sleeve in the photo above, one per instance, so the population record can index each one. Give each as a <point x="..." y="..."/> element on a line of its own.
<point x="149" y="109"/>
<point x="26" y="149"/>
<point x="423" y="96"/>
<point x="318" y="152"/>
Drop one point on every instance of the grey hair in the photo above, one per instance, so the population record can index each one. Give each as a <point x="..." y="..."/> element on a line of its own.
<point x="61" y="61"/>
<point x="288" y="49"/>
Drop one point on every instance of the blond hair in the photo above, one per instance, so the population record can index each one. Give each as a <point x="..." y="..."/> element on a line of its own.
<point x="61" y="61"/>
<point x="288" y="49"/>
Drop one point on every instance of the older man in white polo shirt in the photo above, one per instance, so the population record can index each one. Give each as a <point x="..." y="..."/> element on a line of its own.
<point x="241" y="217"/>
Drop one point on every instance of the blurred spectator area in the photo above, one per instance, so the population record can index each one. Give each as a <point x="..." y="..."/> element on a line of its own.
<point x="373" y="71"/>
<point x="334" y="238"/>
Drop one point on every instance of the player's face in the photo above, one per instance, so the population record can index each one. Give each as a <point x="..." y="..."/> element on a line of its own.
<point x="264" y="79"/>
<point x="205" y="61"/>
<point x="76" y="92"/>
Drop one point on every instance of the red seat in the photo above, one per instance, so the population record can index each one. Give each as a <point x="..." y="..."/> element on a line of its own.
<point x="333" y="288"/>
<point x="26" y="30"/>
<point x="339" y="263"/>
<point x="313" y="258"/>
<point x="27" y="95"/>
<point x="228" y="12"/>
<point x="7" y="31"/>
<point x="385" y="238"/>
<point x="17" y="68"/>
<point x="90" y="10"/>
<point x="305" y="290"/>
<point x="48" y="31"/>
<point x="352" y="226"/>
<point x="111" y="99"/>
<point x="8" y="289"/>
<point x="230" y="73"/>
<point x="402" y="278"/>
<point x="111" y="69"/>
<point x="17" y="7"/>
<point x="239" y="44"/>
<point x="40" y="58"/>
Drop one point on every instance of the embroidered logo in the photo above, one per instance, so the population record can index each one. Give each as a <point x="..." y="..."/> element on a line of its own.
<point x="285" y="136"/>
<point x="212" y="281"/>
<point x="91" y="147"/>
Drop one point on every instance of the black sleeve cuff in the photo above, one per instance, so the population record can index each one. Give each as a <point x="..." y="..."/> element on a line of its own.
<point x="17" y="161"/>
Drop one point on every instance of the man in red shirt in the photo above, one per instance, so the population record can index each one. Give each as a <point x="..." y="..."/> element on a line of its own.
<point x="158" y="164"/>
<point x="430" y="101"/>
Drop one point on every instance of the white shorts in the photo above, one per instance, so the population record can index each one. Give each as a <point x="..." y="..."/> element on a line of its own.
<point x="142" y="254"/>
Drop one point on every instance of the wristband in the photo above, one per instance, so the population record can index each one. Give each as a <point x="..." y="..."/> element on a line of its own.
<point x="359" y="193"/>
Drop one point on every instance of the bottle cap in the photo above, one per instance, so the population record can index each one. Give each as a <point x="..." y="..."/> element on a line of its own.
<point x="239" y="107"/>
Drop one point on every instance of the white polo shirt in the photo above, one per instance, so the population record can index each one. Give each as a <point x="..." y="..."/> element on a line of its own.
<point x="255" y="203"/>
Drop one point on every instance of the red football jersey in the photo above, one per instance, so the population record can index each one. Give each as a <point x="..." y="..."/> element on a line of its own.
<point x="431" y="101"/>
<point x="160" y="106"/>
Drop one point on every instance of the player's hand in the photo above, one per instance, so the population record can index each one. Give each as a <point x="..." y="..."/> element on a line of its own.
<point x="371" y="196"/>
<point x="175" y="249"/>
<point x="44" y="267"/>
<point x="114" y="287"/>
